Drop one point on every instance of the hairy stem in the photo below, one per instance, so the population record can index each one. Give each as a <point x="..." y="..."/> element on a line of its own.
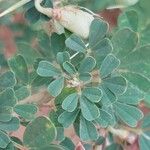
<point x="14" y="7"/>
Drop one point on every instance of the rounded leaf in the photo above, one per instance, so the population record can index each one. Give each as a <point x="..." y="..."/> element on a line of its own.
<point x="46" y="69"/>
<point x="39" y="133"/>
<point x="70" y="102"/>
<point x="56" y="87"/>
<point x="92" y="93"/>
<point x="75" y="43"/>
<point x="87" y="65"/>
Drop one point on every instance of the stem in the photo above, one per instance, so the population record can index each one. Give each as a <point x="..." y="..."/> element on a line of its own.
<point x="46" y="11"/>
<point x="19" y="146"/>
<point x="14" y="7"/>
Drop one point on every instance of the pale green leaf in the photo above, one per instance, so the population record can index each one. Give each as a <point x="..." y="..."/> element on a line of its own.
<point x="70" y="102"/>
<point x="56" y="87"/>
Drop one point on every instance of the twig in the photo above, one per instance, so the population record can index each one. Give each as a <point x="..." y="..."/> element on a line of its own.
<point x="14" y="7"/>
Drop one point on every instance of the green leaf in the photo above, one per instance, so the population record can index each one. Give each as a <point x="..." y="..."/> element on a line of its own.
<point x="19" y="67"/>
<point x="101" y="50"/>
<point x="63" y="57"/>
<point x="30" y="17"/>
<point x="129" y="19"/>
<point x="60" y="134"/>
<point x="54" y="40"/>
<point x="11" y="125"/>
<point x="144" y="137"/>
<point x="87" y="65"/>
<point x="89" y="110"/>
<point x="29" y="53"/>
<point x="69" y="68"/>
<point x="109" y="64"/>
<point x="39" y="133"/>
<point x="53" y="115"/>
<point x="4" y="140"/>
<point x="7" y="98"/>
<point x="67" y="143"/>
<point x="7" y="80"/>
<point x="68" y="118"/>
<point x="6" y="113"/>
<point x="27" y="111"/>
<point x="104" y="119"/>
<point x="135" y="67"/>
<point x="128" y="114"/>
<point x="75" y="43"/>
<point x="116" y="84"/>
<point x="65" y="92"/>
<point x="132" y="95"/>
<point x="92" y="93"/>
<point x="98" y="30"/>
<point x="22" y="92"/>
<point x="85" y="77"/>
<point x="108" y="97"/>
<point x="88" y="131"/>
<point x="124" y="42"/>
<point x="56" y="87"/>
<point x="70" y="102"/>
<point x="47" y="69"/>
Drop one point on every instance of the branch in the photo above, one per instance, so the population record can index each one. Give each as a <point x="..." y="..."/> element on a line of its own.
<point x="14" y="7"/>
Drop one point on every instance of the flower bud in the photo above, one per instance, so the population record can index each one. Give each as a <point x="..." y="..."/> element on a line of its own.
<point x="75" y="20"/>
